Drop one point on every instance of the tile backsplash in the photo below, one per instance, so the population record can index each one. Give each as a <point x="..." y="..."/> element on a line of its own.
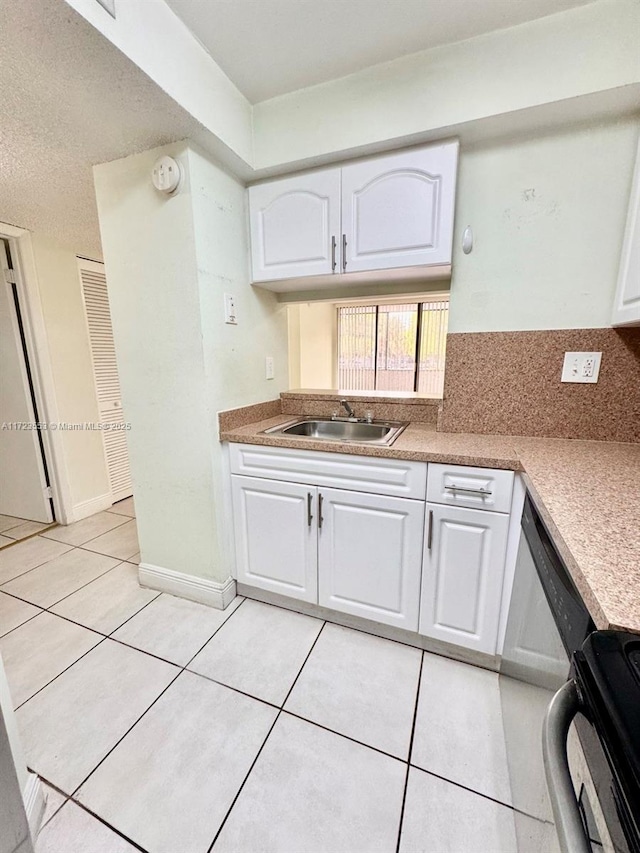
<point x="509" y="383"/>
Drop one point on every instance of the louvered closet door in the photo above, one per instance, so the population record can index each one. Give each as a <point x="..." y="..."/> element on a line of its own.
<point x="105" y="371"/>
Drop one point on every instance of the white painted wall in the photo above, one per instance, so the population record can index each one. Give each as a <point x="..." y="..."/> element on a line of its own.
<point x="156" y="40"/>
<point x="68" y="344"/>
<point x="548" y="216"/>
<point x="149" y="251"/>
<point x="588" y="49"/>
<point x="312" y="345"/>
<point x="234" y="356"/>
<point x="168" y="263"/>
<point x="464" y="88"/>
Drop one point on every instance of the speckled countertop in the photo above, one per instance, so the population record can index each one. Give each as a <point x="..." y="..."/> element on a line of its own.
<point x="588" y="493"/>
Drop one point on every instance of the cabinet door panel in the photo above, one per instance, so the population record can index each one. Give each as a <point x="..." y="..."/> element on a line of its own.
<point x="627" y="301"/>
<point x="397" y="211"/>
<point x="292" y="223"/>
<point x="370" y="556"/>
<point x="462" y="576"/>
<point x="276" y="547"/>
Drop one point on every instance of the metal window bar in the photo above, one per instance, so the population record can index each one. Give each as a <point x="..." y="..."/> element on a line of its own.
<point x="433" y="344"/>
<point x="393" y="347"/>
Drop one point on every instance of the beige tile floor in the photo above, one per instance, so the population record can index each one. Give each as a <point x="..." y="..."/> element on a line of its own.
<point x="164" y="726"/>
<point x="14" y="529"/>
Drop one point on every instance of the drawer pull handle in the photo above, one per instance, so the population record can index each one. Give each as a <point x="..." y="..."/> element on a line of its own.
<point x="320" y="518"/>
<point x="333" y="254"/>
<point x="454" y="489"/>
<point x="430" y="531"/>
<point x="309" y="515"/>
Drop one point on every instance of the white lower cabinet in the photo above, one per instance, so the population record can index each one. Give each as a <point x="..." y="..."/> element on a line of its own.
<point x="430" y="568"/>
<point x="462" y="576"/>
<point x="276" y="536"/>
<point x="370" y="556"/>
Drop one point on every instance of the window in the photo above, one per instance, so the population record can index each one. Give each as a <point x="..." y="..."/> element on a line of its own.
<point x="393" y="347"/>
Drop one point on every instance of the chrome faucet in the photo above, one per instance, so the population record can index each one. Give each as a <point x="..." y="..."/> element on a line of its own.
<point x="348" y="409"/>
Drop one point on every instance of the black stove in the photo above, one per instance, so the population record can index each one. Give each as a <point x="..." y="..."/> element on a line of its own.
<point x="606" y="671"/>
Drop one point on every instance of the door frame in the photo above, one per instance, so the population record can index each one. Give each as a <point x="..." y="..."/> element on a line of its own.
<point x="26" y="276"/>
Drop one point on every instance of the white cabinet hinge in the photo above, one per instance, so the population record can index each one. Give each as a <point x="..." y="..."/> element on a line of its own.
<point x="48" y="492"/>
<point x="9" y="276"/>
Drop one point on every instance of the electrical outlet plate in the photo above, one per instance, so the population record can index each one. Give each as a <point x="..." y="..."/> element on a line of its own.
<point x="269" y="368"/>
<point x="582" y="367"/>
<point x="230" y="310"/>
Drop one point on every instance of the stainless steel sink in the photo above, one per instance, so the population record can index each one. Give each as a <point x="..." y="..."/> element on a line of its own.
<point x="347" y="431"/>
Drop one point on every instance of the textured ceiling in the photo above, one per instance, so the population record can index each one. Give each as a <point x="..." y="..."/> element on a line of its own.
<point x="268" y="47"/>
<point x="69" y="100"/>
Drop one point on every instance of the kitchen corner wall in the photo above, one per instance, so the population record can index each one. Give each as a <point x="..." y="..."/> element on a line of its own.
<point x="548" y="215"/>
<point x="169" y="260"/>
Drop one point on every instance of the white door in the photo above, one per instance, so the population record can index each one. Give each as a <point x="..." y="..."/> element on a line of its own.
<point x="276" y="536"/>
<point x="370" y="556"/>
<point x="397" y="211"/>
<point x="23" y="492"/>
<point x="105" y="371"/>
<point x="463" y="568"/>
<point x="295" y="226"/>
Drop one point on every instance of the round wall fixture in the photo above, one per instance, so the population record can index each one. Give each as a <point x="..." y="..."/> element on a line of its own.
<point x="167" y="175"/>
<point x="467" y="240"/>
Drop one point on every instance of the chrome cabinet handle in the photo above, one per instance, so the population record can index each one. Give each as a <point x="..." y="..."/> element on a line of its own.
<point x="309" y="503"/>
<point x="320" y="518"/>
<point x="561" y="711"/>
<point x="344" y="252"/>
<point x="455" y="489"/>
<point x="333" y="253"/>
<point x="430" y="531"/>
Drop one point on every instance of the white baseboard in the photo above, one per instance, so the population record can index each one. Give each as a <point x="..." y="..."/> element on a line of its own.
<point x="86" y="508"/>
<point x="34" y="803"/>
<point x="192" y="587"/>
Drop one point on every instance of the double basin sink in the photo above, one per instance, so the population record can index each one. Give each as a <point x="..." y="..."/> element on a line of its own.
<point x="349" y="431"/>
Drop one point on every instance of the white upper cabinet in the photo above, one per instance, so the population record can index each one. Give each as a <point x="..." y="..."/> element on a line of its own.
<point x="295" y="226"/>
<point x="626" y="309"/>
<point x="383" y="219"/>
<point x="397" y="211"/>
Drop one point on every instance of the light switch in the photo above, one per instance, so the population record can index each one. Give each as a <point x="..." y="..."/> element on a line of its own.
<point x="230" y="309"/>
<point x="269" y="368"/>
<point x="581" y="367"/>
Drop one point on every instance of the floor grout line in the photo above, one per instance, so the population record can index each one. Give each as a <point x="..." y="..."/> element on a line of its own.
<point x="280" y="708"/>
<point x="131" y="727"/>
<point x="40" y="689"/>
<point x="253" y="763"/>
<point x="115" y="527"/>
<point x="25" y="538"/>
<point x="101" y="820"/>
<point x="480" y="794"/>
<point x="39" y="566"/>
<point x="226" y="622"/>
<point x="413" y="731"/>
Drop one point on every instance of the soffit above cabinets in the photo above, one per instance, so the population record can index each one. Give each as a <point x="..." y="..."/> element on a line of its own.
<point x="292" y="44"/>
<point x="381" y="220"/>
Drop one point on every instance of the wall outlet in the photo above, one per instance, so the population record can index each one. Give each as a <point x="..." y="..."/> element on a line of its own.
<point x="230" y="309"/>
<point x="581" y="366"/>
<point x="269" y="368"/>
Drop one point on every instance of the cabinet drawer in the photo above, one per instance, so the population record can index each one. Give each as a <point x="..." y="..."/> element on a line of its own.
<point x="476" y="488"/>
<point x="393" y="477"/>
